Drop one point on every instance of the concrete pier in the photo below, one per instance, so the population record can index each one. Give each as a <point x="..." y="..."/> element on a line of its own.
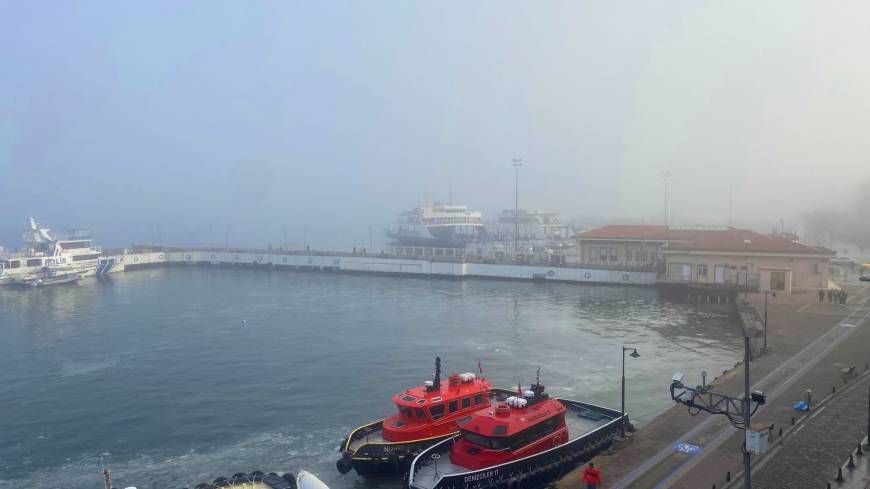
<point x="380" y="264"/>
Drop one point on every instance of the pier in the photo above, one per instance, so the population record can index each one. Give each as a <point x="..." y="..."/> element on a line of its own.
<point x="325" y="261"/>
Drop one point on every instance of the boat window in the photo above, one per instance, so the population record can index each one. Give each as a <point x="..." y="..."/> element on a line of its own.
<point x="409" y="399"/>
<point x="34" y="262"/>
<point x="478" y="399"/>
<point x="477" y="439"/>
<point x="453" y="406"/>
<point x="463" y="420"/>
<point x="85" y="257"/>
<point x="437" y="412"/>
<point x="398" y="424"/>
<point x="74" y="245"/>
<point x="420" y="413"/>
<point x="535" y="432"/>
<point x="466" y="401"/>
<point x="406" y="412"/>
<point x="13" y="264"/>
<point x="499" y="430"/>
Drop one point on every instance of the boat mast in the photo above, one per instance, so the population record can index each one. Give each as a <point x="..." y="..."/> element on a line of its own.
<point x="436" y="384"/>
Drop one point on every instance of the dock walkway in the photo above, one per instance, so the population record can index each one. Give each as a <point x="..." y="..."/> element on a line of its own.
<point x="810" y="344"/>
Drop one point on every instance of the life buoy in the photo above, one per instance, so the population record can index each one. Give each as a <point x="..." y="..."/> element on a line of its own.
<point x="587" y="275"/>
<point x="284" y="259"/>
<point x="212" y="256"/>
<point x="259" y="258"/>
<point x="625" y="277"/>
<point x="160" y="257"/>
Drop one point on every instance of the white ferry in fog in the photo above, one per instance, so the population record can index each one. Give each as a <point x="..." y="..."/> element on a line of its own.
<point x="446" y="225"/>
<point x="50" y="255"/>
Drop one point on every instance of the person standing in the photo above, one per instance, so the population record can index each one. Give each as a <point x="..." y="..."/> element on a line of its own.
<point x="591" y="476"/>
<point x="845" y="297"/>
<point x="831" y="296"/>
<point x="821" y="295"/>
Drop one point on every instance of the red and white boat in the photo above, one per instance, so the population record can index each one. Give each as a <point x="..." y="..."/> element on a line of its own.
<point x="424" y="416"/>
<point x="525" y="442"/>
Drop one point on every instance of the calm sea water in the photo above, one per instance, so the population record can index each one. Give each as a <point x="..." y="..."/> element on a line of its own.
<point x="183" y="375"/>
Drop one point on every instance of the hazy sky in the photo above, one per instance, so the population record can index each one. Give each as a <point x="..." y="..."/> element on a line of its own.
<point x="182" y="120"/>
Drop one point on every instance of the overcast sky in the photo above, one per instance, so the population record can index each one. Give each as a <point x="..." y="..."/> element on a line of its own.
<point x="181" y="121"/>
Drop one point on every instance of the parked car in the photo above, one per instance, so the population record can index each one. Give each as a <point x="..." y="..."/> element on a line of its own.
<point x="842" y="260"/>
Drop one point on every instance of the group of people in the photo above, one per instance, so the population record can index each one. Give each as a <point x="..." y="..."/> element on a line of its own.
<point x="835" y="296"/>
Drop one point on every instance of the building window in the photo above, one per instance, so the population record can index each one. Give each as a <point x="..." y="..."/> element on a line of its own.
<point x="817" y="268"/>
<point x="702" y="271"/>
<point x="613" y="254"/>
<point x="602" y="254"/>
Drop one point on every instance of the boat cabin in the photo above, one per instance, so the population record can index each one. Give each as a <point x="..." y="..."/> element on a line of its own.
<point x="519" y="427"/>
<point x="432" y="409"/>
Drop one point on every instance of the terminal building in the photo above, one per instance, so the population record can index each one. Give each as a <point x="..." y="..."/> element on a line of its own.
<point x="708" y="256"/>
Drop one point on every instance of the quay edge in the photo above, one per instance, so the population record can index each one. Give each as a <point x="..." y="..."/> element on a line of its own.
<point x="377" y="264"/>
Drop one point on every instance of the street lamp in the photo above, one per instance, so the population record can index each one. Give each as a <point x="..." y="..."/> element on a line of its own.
<point x="517" y="163"/>
<point x="634" y="354"/>
<point x="666" y="175"/>
<point x="765" y="319"/>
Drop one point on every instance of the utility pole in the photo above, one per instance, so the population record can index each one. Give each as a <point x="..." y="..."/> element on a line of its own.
<point x="739" y="411"/>
<point x="747" y="469"/>
<point x="517" y="163"/>
<point x="666" y="175"/>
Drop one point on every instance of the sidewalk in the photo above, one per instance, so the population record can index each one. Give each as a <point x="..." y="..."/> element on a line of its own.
<point x="809" y="458"/>
<point x="789" y="367"/>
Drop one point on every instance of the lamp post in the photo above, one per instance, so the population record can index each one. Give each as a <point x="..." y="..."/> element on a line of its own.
<point x="666" y="175"/>
<point x="765" y="319"/>
<point x="634" y="354"/>
<point x="517" y="163"/>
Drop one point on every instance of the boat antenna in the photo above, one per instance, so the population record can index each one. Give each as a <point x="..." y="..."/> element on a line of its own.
<point x="538" y="376"/>
<point x="436" y="384"/>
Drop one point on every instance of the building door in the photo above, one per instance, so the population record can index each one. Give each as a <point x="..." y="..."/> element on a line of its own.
<point x="719" y="274"/>
<point x="777" y="281"/>
<point x="687" y="272"/>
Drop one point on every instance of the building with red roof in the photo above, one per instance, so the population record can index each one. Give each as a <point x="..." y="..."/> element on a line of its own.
<point x="709" y="255"/>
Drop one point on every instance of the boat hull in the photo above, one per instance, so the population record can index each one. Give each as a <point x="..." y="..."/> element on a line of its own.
<point x="532" y="472"/>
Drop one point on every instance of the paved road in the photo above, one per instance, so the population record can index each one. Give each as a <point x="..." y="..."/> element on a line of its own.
<point x="809" y="457"/>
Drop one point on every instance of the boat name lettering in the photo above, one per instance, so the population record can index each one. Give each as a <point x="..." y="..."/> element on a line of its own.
<point x="481" y="475"/>
<point x="55" y="261"/>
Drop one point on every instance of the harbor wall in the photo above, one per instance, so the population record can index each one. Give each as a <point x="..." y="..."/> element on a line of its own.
<point x="382" y="264"/>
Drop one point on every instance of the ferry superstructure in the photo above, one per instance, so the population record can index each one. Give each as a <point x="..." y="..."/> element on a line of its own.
<point x="444" y="225"/>
<point x="74" y="253"/>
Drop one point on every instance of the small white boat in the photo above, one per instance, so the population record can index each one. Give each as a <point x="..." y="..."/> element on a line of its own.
<point x="49" y="276"/>
<point x="307" y="480"/>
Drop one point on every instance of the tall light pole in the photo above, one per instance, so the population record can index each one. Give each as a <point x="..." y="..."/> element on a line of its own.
<point x="634" y="354"/>
<point x="666" y="175"/>
<point x="517" y="163"/>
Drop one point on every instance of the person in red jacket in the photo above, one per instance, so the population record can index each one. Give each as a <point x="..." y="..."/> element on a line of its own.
<point x="591" y="476"/>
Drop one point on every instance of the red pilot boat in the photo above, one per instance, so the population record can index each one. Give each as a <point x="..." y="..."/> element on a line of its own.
<point x="425" y="415"/>
<point x="525" y="442"/>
